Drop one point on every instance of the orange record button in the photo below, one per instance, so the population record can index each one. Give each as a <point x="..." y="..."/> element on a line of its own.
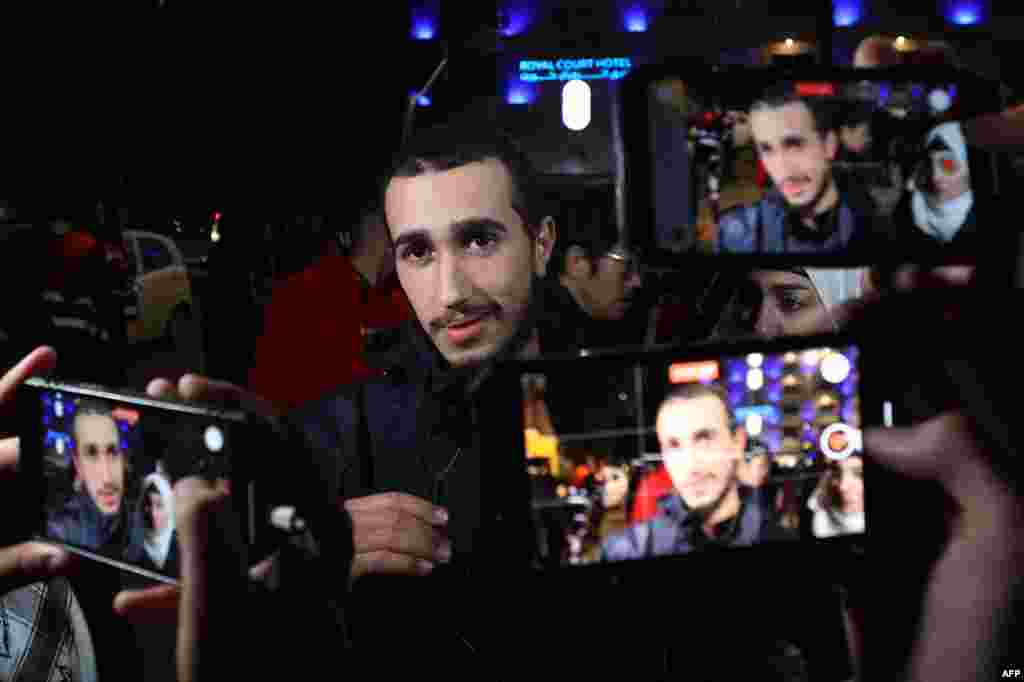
<point x="689" y="372"/>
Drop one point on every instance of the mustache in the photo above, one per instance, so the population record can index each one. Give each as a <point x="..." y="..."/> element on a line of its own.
<point x="109" y="490"/>
<point x="796" y="179"/>
<point x="464" y="314"/>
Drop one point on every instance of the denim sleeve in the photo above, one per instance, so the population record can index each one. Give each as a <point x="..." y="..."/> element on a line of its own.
<point x="626" y="545"/>
<point x="735" y="234"/>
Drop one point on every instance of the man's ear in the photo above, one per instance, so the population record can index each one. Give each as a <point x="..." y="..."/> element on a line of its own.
<point x="577" y="265"/>
<point x="544" y="244"/>
<point x="831" y="145"/>
<point x="740" y="439"/>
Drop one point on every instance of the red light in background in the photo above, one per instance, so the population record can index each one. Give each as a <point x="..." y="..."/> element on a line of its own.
<point x="815" y="89"/>
<point x="216" y="216"/>
<point x="690" y="372"/>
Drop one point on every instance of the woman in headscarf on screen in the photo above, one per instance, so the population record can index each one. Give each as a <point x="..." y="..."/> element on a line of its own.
<point x="770" y="303"/>
<point x="838" y="501"/>
<point x="940" y="202"/>
<point x="158" y="520"/>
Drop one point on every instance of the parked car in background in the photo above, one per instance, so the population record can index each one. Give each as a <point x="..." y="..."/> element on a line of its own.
<point x="164" y="304"/>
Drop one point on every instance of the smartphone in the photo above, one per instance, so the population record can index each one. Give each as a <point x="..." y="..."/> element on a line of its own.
<point x="832" y="166"/>
<point x="728" y="446"/>
<point x="99" y="468"/>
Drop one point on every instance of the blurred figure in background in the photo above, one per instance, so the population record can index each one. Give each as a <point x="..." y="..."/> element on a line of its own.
<point x="87" y="282"/>
<point x="326" y="317"/>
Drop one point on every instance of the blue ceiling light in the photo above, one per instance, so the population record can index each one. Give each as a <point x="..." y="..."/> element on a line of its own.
<point x="964" y="12"/>
<point x="421" y="100"/>
<point x="636" y="19"/>
<point x="520" y="94"/>
<point x="515" y="19"/>
<point x="425" y="20"/>
<point x="846" y="12"/>
<point x="424" y="30"/>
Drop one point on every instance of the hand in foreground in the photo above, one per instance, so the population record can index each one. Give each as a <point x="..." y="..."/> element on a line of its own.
<point x="160" y="604"/>
<point x="395" y="533"/>
<point x="27" y="562"/>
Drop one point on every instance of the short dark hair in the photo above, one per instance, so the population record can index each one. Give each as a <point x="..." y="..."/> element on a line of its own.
<point x="91" y="407"/>
<point x="781" y="96"/>
<point x="586" y="218"/>
<point x="371" y="218"/>
<point x="694" y="391"/>
<point x="446" y="147"/>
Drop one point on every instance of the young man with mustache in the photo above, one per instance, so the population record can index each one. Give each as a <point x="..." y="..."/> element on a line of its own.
<point x="702" y="446"/>
<point x="806" y="210"/>
<point x="96" y="517"/>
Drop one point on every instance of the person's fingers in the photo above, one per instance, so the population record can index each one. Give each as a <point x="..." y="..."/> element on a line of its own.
<point x="200" y="388"/>
<point x="395" y="531"/>
<point x="39" y="361"/>
<point x="409" y="504"/>
<point x="262" y="571"/>
<point x="389" y="563"/>
<point x="152" y="605"/>
<point x="194" y="500"/>
<point x="161" y="388"/>
<point x="29" y="562"/>
<point x="8" y="457"/>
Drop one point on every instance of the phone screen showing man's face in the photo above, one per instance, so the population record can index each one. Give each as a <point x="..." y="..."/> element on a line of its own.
<point x="727" y="451"/>
<point x="109" y="469"/>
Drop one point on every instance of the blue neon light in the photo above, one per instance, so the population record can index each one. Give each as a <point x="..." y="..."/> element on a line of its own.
<point x="585" y="69"/>
<point x="520" y="94"/>
<point x="846" y="12"/>
<point x="636" y="19"/>
<point x="964" y="12"/>
<point x="422" y="100"/>
<point x="517" y="19"/>
<point x="423" y="30"/>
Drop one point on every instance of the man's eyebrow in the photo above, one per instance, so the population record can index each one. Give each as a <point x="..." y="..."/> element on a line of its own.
<point x="791" y="287"/>
<point x="459" y="228"/>
<point x="411" y="236"/>
<point x="470" y="224"/>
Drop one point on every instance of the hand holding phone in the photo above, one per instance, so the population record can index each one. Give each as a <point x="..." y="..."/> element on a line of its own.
<point x="26" y="562"/>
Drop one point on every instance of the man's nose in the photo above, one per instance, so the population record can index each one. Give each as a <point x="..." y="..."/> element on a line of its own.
<point x="454" y="286"/>
<point x="769" y="321"/>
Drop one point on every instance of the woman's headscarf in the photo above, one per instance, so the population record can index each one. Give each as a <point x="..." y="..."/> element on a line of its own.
<point x="944" y="221"/>
<point x="836" y="286"/>
<point x="158" y="543"/>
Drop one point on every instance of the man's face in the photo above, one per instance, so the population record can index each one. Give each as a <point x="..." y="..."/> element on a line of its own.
<point x="701" y="454"/>
<point x="464" y="257"/>
<point x="849" y="483"/>
<point x="157" y="511"/>
<point x="949" y="175"/>
<point x="778" y="298"/>
<point x="607" y="290"/>
<point x="796" y="156"/>
<point x="857" y="138"/>
<point x="99" y="462"/>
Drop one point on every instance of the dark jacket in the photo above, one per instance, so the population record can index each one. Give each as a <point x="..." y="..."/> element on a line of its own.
<point x="767" y="226"/>
<point x="674" y="530"/>
<point x="80" y="523"/>
<point x="596" y="402"/>
<point x="402" y="432"/>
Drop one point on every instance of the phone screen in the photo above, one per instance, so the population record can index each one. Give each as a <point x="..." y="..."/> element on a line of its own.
<point x="109" y="467"/>
<point x="814" y="167"/>
<point x="715" y="452"/>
